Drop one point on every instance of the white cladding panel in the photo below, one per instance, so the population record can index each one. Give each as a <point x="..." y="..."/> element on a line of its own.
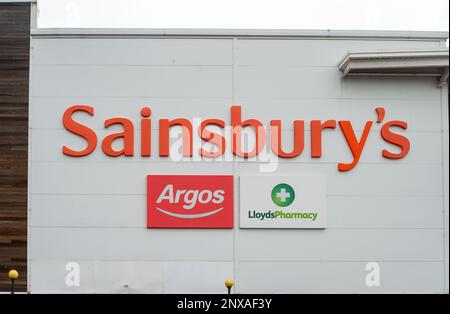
<point x="92" y="210"/>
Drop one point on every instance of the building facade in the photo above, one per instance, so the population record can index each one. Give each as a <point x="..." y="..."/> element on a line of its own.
<point x="362" y="119"/>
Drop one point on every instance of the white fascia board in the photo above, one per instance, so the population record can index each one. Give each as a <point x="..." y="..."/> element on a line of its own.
<point x="381" y="56"/>
<point x="399" y="63"/>
<point x="402" y="59"/>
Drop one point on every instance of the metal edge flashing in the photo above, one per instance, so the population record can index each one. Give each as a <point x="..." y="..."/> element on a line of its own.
<point x="242" y="33"/>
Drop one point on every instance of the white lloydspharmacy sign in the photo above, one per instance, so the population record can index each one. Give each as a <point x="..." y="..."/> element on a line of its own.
<point x="283" y="202"/>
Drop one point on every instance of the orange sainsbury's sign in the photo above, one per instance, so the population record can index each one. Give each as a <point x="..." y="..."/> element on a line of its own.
<point x="273" y="141"/>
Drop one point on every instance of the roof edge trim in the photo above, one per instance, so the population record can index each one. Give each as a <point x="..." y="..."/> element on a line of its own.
<point x="161" y="32"/>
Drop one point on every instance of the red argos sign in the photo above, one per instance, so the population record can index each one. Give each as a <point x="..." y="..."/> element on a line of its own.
<point x="189" y="201"/>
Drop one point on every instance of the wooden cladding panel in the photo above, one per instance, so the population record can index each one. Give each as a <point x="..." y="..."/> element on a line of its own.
<point x="14" y="74"/>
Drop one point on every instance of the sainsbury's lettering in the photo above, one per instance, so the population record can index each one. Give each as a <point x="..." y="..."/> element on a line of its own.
<point x="355" y="145"/>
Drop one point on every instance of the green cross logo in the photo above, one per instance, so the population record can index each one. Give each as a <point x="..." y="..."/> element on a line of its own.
<point x="283" y="195"/>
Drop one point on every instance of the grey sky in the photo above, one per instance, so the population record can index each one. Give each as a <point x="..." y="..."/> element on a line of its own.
<point x="289" y="14"/>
